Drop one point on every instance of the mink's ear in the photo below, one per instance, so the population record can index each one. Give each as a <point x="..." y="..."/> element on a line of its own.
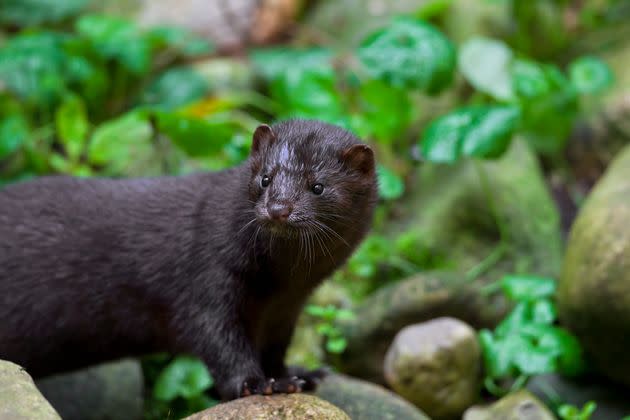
<point x="359" y="157"/>
<point x="263" y="137"/>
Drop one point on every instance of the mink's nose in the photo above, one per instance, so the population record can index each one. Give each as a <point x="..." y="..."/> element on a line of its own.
<point x="279" y="211"/>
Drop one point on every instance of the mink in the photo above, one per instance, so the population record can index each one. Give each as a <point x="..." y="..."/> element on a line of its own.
<point x="216" y="264"/>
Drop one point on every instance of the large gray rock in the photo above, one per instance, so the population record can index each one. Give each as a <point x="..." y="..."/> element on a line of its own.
<point x="517" y="406"/>
<point x="277" y="407"/>
<point x="437" y="366"/>
<point x="420" y="298"/>
<point x="366" y="401"/>
<point x="19" y="398"/>
<point x="112" y="391"/>
<point x="594" y="290"/>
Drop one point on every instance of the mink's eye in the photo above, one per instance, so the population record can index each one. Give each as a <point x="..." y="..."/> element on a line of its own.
<point x="265" y="181"/>
<point x="317" y="189"/>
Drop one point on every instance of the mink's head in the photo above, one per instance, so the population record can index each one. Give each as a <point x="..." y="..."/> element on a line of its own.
<point x="311" y="176"/>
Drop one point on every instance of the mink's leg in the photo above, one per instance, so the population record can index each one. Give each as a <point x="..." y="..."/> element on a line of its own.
<point x="208" y="325"/>
<point x="272" y="359"/>
<point x="220" y="341"/>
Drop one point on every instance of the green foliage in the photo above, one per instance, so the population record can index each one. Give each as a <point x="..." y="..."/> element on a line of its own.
<point x="390" y="186"/>
<point x="548" y="100"/>
<point x="590" y="75"/>
<point x="527" y="342"/>
<point x="571" y="412"/>
<point x="485" y="63"/>
<point x="410" y="53"/>
<point x="35" y="12"/>
<point x="327" y="316"/>
<point x="477" y="131"/>
<point x="179" y="385"/>
<point x="184" y="377"/>
<point x="14" y="131"/>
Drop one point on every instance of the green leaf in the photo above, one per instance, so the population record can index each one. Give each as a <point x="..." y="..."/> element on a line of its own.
<point x="14" y="132"/>
<point x="549" y="105"/>
<point x="532" y="360"/>
<point x="520" y="316"/>
<point x="117" y="39"/>
<point x="530" y="79"/>
<point x="336" y="345"/>
<point x="476" y="131"/>
<point x="590" y="75"/>
<point x="390" y="185"/>
<point x="32" y="67"/>
<point x="315" y="310"/>
<point x="544" y="312"/>
<point x="410" y="53"/>
<point x="37" y="12"/>
<point x="184" y="377"/>
<point x="522" y="287"/>
<point x="118" y="143"/>
<point x="500" y="354"/>
<point x="197" y="137"/>
<point x="386" y="110"/>
<point x="345" y="314"/>
<point x="72" y="126"/>
<point x="274" y="63"/>
<point x="486" y="63"/>
<point x="308" y="93"/>
<point x="174" y="88"/>
<point x="560" y="343"/>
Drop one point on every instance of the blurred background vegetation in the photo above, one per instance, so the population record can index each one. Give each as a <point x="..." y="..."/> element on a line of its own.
<point x="491" y="120"/>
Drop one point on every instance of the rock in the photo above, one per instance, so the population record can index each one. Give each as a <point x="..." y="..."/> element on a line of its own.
<point x="366" y="401"/>
<point x="112" y="391"/>
<point x="19" y="398"/>
<point x="612" y="401"/>
<point x="277" y="407"/>
<point x="420" y="298"/>
<point x="594" y="290"/>
<point x="520" y="405"/>
<point x="437" y="366"/>
<point x="450" y="210"/>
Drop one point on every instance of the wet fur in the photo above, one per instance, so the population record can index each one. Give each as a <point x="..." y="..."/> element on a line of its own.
<point x="97" y="269"/>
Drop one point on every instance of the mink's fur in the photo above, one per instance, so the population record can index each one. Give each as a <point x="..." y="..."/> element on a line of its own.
<point x="97" y="269"/>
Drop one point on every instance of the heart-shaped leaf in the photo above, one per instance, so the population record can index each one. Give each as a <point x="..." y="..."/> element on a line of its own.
<point x="184" y="377"/>
<point x="476" y="131"/>
<point x="486" y="63"/>
<point x="590" y="75"/>
<point x="410" y="53"/>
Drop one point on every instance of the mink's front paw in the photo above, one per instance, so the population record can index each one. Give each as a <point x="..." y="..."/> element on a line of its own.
<point x="272" y="386"/>
<point x="311" y="378"/>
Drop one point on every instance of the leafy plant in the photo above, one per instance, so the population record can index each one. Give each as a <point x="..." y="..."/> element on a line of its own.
<point x="571" y="412"/>
<point x="327" y="315"/>
<point x="527" y="342"/>
<point x="179" y="386"/>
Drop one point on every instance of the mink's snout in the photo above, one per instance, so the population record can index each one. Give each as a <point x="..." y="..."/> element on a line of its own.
<point x="279" y="211"/>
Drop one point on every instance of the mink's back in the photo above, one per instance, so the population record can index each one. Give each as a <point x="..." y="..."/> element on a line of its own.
<point x="76" y="256"/>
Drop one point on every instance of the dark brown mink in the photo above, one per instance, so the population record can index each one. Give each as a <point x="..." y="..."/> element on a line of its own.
<point x="217" y="265"/>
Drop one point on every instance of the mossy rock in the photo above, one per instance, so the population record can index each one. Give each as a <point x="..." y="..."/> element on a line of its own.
<point x="19" y="398"/>
<point x="366" y="401"/>
<point x="594" y="291"/>
<point x="276" y="407"/>
<point x="450" y="211"/>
